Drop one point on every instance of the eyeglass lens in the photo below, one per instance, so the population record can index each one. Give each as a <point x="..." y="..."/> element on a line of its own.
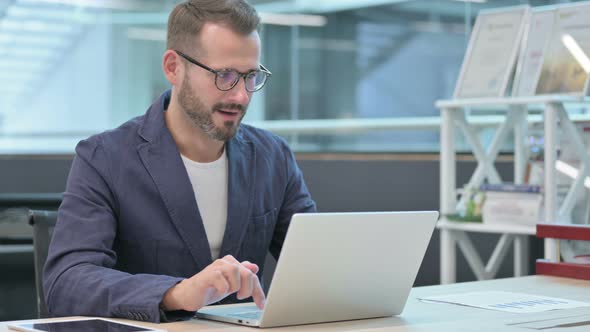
<point x="227" y="79"/>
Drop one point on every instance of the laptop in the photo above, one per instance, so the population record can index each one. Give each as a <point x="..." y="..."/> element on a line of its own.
<point x="339" y="266"/>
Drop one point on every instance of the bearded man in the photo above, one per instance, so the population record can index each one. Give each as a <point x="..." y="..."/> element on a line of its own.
<point x="176" y="209"/>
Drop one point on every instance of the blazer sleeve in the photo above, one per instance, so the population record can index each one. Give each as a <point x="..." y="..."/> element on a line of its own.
<point x="79" y="275"/>
<point x="297" y="199"/>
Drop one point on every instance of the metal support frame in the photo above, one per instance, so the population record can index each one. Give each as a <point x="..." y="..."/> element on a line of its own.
<point x="550" y="155"/>
<point x="485" y="159"/>
<point x="450" y="239"/>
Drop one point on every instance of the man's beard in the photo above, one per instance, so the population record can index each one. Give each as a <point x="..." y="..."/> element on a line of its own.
<point x="194" y="108"/>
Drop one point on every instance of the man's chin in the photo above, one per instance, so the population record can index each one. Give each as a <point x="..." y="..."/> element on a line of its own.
<point x="227" y="131"/>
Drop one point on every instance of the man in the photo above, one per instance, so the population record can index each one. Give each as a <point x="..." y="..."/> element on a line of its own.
<point x="176" y="209"/>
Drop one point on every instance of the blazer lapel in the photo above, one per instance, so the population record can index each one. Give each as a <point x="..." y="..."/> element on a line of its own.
<point x="162" y="160"/>
<point x="241" y="179"/>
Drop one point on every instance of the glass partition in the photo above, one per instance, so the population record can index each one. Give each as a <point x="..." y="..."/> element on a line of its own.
<point x="72" y="68"/>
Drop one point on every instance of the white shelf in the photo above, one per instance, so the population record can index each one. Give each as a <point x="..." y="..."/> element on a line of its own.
<point x="453" y="235"/>
<point x="500" y="228"/>
<point x="457" y="103"/>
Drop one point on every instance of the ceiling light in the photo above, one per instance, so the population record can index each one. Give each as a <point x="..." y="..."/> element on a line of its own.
<point x="60" y="15"/>
<point x="20" y="65"/>
<point x="14" y="39"/>
<point x="146" y="34"/>
<point x="20" y="52"/>
<point x="293" y="19"/>
<point x="101" y="4"/>
<point x="35" y="26"/>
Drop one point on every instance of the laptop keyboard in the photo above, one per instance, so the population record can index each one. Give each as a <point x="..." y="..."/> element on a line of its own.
<point x="248" y="314"/>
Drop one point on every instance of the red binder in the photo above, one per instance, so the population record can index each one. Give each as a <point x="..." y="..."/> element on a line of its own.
<point x="562" y="269"/>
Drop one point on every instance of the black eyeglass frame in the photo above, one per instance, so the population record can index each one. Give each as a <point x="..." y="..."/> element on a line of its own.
<point x="216" y="72"/>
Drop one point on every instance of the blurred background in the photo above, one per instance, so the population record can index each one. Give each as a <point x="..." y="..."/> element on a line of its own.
<point x="73" y="68"/>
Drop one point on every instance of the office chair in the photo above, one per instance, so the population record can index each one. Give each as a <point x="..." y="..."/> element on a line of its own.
<point x="43" y="223"/>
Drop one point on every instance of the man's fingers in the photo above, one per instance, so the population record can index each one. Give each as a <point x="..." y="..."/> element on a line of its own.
<point x="231" y="272"/>
<point x="221" y="284"/>
<point x="230" y="259"/>
<point x="244" y="276"/>
<point x="222" y="277"/>
<point x="246" y="285"/>
<point x="218" y="290"/>
<point x="250" y="266"/>
<point x="258" y="294"/>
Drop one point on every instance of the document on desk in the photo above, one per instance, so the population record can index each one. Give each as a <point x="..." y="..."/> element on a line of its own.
<point x="507" y="301"/>
<point x="576" y="323"/>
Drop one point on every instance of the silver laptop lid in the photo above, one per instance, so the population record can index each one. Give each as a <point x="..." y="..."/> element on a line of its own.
<point x="343" y="266"/>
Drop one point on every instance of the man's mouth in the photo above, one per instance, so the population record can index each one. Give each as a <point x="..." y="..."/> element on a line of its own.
<point x="228" y="111"/>
<point x="228" y="114"/>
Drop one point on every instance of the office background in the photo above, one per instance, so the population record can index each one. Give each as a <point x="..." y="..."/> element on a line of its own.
<point x="72" y="68"/>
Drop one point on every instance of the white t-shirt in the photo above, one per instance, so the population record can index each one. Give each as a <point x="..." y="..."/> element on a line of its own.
<point x="209" y="181"/>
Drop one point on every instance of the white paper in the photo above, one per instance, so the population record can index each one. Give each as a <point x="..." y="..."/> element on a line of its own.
<point x="491" y="53"/>
<point x="537" y="38"/>
<point x="507" y="301"/>
<point x="564" y="322"/>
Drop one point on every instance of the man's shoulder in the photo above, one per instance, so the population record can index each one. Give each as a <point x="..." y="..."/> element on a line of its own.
<point x="261" y="137"/>
<point x="120" y="138"/>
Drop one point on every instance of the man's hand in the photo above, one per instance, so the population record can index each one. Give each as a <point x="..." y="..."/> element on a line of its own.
<point x="221" y="278"/>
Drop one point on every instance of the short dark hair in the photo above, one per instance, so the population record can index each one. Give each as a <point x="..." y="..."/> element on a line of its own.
<point x="187" y="19"/>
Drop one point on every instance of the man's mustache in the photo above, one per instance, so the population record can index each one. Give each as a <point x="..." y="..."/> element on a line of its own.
<point x="238" y="107"/>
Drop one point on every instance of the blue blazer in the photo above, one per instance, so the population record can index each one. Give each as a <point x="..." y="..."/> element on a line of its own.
<point x="129" y="227"/>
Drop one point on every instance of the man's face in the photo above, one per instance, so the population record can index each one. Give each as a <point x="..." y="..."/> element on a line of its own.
<point x="218" y="113"/>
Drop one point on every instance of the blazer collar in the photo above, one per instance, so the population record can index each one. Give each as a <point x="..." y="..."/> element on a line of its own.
<point x="241" y="189"/>
<point x="154" y="124"/>
<point x="162" y="160"/>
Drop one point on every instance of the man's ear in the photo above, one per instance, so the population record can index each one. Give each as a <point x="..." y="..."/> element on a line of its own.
<point x="172" y="67"/>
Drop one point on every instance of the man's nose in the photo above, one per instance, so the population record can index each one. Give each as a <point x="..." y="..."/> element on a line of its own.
<point x="239" y="93"/>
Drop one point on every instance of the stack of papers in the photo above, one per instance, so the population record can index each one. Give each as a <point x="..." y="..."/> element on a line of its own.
<point x="507" y="301"/>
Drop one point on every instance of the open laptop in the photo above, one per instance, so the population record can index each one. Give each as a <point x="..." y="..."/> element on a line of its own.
<point x="339" y="266"/>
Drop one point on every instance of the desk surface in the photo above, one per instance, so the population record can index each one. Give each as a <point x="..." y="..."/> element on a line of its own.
<point x="420" y="316"/>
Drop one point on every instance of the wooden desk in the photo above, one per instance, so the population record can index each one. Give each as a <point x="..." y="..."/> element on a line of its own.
<point x="419" y="316"/>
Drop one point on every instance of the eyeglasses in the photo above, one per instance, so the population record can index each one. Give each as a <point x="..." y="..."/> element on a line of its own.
<point x="226" y="79"/>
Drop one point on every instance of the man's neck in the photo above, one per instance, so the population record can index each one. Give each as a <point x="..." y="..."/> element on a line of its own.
<point x="191" y="141"/>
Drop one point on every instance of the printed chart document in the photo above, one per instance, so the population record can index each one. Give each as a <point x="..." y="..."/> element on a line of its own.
<point x="573" y="319"/>
<point x="580" y="322"/>
<point x="507" y="301"/>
